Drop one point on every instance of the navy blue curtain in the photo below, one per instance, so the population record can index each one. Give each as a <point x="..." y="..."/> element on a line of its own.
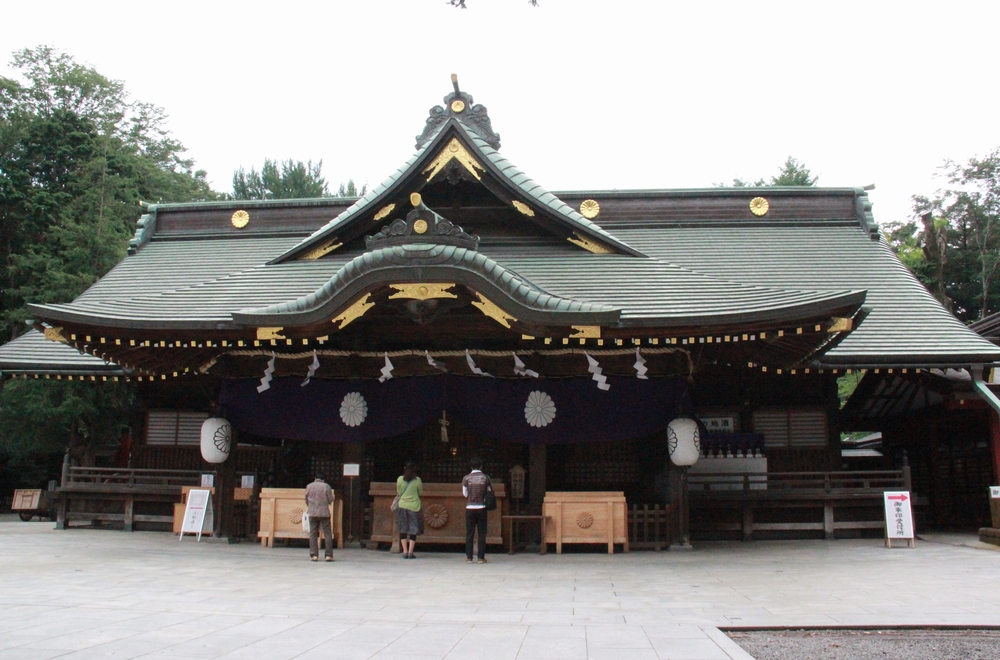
<point x="562" y="410"/>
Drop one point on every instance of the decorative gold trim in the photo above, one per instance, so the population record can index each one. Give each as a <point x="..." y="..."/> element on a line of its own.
<point x="586" y="332"/>
<point x="415" y="198"/>
<point x="759" y="206"/>
<point x="422" y="291"/>
<point x="523" y="208"/>
<point x="488" y="308"/>
<point x="55" y="334"/>
<point x="384" y="211"/>
<point x="355" y="311"/>
<point x="240" y="219"/>
<point x="589" y="209"/>
<point x="322" y="250"/>
<point x="589" y="245"/>
<point x="457" y="105"/>
<point x="420" y="226"/>
<point x="841" y="324"/>
<point x="270" y="333"/>
<point x="453" y="150"/>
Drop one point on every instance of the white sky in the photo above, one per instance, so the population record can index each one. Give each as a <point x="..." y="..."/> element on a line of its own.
<point x="585" y="94"/>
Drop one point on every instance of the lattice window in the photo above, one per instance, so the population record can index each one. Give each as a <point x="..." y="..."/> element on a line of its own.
<point x="795" y="428"/>
<point x="174" y="427"/>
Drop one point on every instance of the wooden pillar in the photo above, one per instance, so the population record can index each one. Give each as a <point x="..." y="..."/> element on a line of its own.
<point x="537" y="466"/>
<point x="354" y="452"/>
<point x="129" y="512"/>
<point x="537" y="456"/>
<point x="225" y="484"/>
<point x="995" y="443"/>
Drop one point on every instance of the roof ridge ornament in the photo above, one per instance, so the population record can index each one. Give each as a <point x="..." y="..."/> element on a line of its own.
<point x="459" y="105"/>
<point x="422" y="225"/>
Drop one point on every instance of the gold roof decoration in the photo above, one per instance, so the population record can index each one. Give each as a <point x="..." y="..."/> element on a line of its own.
<point x="240" y="219"/>
<point x="355" y="311"/>
<point x="454" y="150"/>
<point x="322" y="250"/>
<point x="589" y="209"/>
<point x="759" y="206"/>
<point x="589" y="245"/>
<point x="492" y="310"/>
<point x="423" y="291"/>
<point x="384" y="211"/>
<point x="523" y="208"/>
<point x="457" y="106"/>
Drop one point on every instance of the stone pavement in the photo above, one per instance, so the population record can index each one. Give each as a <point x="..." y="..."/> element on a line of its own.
<point x="104" y="594"/>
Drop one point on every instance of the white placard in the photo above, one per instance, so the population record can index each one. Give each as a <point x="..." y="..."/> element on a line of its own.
<point x="208" y="481"/>
<point x="198" y="516"/>
<point x="352" y="469"/>
<point x="246" y="481"/>
<point x="305" y="522"/>
<point x="898" y="515"/>
<point x="995" y="490"/>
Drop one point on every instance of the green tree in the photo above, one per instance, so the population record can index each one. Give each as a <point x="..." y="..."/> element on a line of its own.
<point x="76" y="156"/>
<point x="959" y="238"/>
<point x="288" y="179"/>
<point x="349" y="189"/>
<point x="792" y="173"/>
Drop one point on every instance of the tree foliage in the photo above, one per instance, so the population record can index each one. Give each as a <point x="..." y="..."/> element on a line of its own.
<point x="77" y="154"/>
<point x="288" y="179"/>
<point x="953" y="243"/>
<point x="792" y="173"/>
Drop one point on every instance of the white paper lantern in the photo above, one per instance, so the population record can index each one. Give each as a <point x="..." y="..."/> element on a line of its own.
<point x="216" y="438"/>
<point x="683" y="441"/>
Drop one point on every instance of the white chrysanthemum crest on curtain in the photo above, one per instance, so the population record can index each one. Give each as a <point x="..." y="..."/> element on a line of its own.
<point x="353" y="409"/>
<point x="265" y="382"/>
<point x="312" y="369"/>
<point x="539" y="410"/>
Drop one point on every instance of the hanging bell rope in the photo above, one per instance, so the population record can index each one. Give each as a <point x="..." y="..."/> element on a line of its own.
<point x="444" y="427"/>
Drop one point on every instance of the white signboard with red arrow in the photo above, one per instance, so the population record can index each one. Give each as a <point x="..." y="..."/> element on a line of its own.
<point x="898" y="517"/>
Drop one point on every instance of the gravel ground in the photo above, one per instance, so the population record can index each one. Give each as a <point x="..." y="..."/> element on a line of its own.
<point x="866" y="644"/>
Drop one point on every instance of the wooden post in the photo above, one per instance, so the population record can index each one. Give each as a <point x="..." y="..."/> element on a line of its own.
<point x="747" y="521"/>
<point x="354" y="452"/>
<point x="129" y="512"/>
<point x="225" y="484"/>
<point x="537" y="455"/>
<point x="828" y="520"/>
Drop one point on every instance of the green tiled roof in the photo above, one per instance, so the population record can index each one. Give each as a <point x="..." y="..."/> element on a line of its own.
<point x="503" y="169"/>
<point x="32" y="353"/>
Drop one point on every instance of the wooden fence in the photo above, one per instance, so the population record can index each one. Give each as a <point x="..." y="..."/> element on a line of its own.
<point x="649" y="527"/>
<point x="778" y="501"/>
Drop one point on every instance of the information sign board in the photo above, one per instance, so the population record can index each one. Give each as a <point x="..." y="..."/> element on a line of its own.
<point x="207" y="480"/>
<point x="995" y="492"/>
<point x="198" y="515"/>
<point x="246" y="481"/>
<point x="352" y="469"/>
<point x="898" y="517"/>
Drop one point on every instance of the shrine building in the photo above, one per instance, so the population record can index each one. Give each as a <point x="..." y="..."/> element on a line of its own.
<point x="459" y="308"/>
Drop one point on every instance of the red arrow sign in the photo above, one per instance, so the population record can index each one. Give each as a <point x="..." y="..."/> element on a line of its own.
<point x="901" y="498"/>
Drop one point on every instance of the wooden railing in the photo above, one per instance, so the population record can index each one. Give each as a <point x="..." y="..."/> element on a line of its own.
<point x="777" y="494"/>
<point x="798" y="484"/>
<point x="75" y="477"/>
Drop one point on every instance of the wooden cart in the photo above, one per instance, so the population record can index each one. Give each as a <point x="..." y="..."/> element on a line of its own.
<point x="595" y="517"/>
<point x="281" y="512"/>
<point x="31" y="502"/>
